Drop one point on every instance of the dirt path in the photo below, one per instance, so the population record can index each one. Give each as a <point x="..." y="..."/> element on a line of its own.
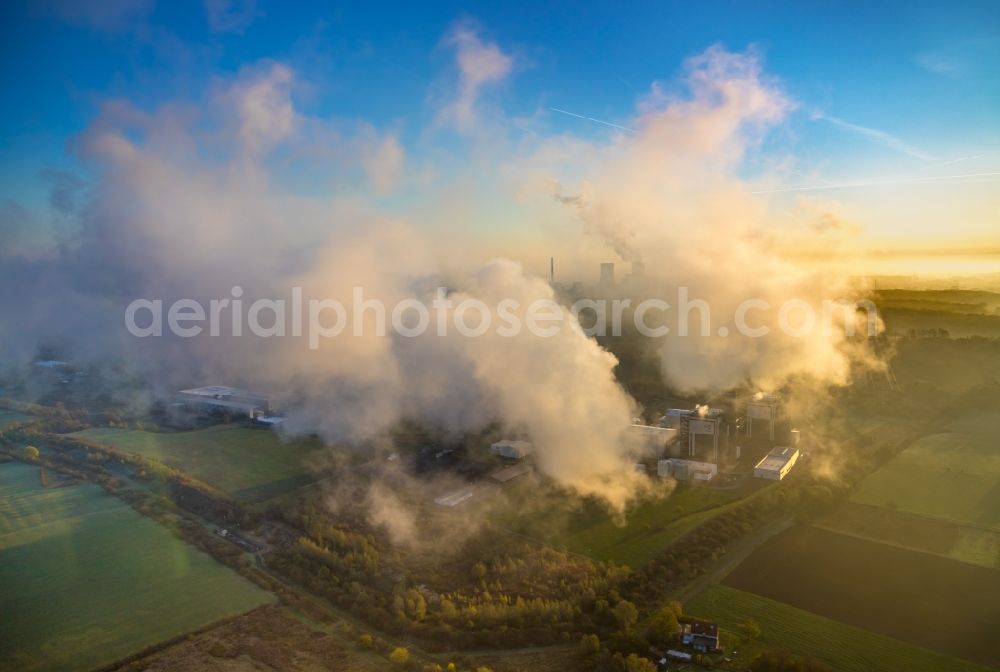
<point x="732" y="559"/>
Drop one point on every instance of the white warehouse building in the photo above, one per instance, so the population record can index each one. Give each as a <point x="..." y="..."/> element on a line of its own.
<point x="513" y="450"/>
<point x="224" y="399"/>
<point x="776" y="464"/>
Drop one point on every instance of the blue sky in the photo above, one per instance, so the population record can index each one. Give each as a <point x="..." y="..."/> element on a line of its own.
<point x="881" y="91"/>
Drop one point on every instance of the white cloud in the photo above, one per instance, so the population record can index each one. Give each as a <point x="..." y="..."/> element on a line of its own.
<point x="479" y="63"/>
<point x="264" y="108"/>
<point x="110" y="15"/>
<point x="383" y="164"/>
<point x="230" y="16"/>
<point x="188" y="202"/>
<point x="939" y="64"/>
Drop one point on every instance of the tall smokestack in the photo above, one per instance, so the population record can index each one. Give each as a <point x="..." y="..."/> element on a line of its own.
<point x="552" y="269"/>
<point x="607" y="275"/>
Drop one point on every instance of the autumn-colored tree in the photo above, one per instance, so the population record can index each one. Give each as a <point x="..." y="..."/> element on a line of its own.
<point x="399" y="656"/>
<point x="626" y="614"/>
<point x="663" y="627"/>
<point x="635" y="663"/>
<point x="749" y="629"/>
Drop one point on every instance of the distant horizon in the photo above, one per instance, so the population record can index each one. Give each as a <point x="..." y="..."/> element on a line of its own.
<point x="889" y="151"/>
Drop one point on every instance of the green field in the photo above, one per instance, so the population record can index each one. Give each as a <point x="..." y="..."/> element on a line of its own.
<point x="943" y="368"/>
<point x="975" y="545"/>
<point x="249" y="464"/>
<point x="843" y="647"/>
<point x="914" y="597"/>
<point x="85" y="580"/>
<point x="8" y="417"/>
<point x="941" y="495"/>
<point x="647" y="529"/>
<point x="953" y="476"/>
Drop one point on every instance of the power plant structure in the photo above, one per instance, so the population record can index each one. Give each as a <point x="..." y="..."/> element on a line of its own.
<point x="698" y="431"/>
<point x="708" y="438"/>
<point x="653" y="442"/>
<point x="763" y="413"/>
<point x="686" y="470"/>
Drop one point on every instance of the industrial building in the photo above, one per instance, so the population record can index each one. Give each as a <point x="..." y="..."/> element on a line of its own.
<point x="512" y="450"/>
<point x="221" y="399"/>
<point x="776" y="464"/>
<point x="51" y="364"/>
<point x="673" y="417"/>
<point x="762" y="415"/>
<point x="455" y="498"/>
<point x="510" y="473"/>
<point x="686" y="470"/>
<point x="653" y="441"/>
<point x="269" y="420"/>
<point x="698" y="432"/>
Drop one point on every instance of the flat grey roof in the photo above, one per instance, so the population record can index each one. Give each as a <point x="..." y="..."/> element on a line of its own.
<point x="777" y="459"/>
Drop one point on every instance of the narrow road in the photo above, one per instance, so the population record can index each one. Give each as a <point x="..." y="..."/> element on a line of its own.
<point x="732" y="559"/>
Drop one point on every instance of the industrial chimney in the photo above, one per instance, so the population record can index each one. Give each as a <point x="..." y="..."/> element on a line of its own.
<point x="607" y="280"/>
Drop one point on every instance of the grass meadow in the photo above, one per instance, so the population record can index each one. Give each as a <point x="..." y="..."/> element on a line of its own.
<point x="843" y="647"/>
<point x="248" y="464"/>
<point x="646" y="530"/>
<point x="85" y="580"/>
<point x="920" y="598"/>
<point x="953" y="476"/>
<point x="974" y="545"/>
<point x="941" y="495"/>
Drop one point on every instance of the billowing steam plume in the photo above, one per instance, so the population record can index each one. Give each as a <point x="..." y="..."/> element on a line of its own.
<point x="181" y="204"/>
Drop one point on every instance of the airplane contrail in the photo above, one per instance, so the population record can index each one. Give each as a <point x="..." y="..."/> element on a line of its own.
<point x="596" y="121"/>
<point x="879" y="137"/>
<point x="878" y="183"/>
<point x="951" y="161"/>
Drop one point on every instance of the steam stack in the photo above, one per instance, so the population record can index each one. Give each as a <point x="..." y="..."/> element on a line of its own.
<point x="607" y="280"/>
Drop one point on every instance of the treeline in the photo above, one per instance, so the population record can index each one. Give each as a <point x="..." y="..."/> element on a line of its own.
<point x="490" y="603"/>
<point x="189" y="493"/>
<point x="55" y="419"/>
<point x="685" y="559"/>
<point x="502" y="592"/>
